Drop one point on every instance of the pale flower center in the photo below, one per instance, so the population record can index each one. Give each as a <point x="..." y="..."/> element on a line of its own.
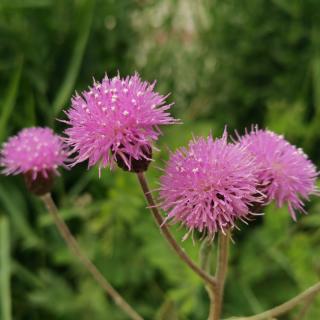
<point x="277" y="166"/>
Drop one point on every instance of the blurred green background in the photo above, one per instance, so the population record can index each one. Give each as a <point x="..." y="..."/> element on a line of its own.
<point x="225" y="62"/>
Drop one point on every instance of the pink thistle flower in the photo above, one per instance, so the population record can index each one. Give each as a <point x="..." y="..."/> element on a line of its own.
<point x="285" y="172"/>
<point x="33" y="151"/>
<point x="209" y="185"/>
<point x="116" y="120"/>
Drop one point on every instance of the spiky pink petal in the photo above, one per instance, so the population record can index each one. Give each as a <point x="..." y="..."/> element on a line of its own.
<point x="285" y="172"/>
<point x="116" y="118"/>
<point x="209" y="185"/>
<point x="33" y="150"/>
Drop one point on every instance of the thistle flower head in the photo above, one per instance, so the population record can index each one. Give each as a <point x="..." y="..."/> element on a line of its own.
<point x="209" y="185"/>
<point x="284" y="171"/>
<point x="116" y="120"/>
<point x="33" y="151"/>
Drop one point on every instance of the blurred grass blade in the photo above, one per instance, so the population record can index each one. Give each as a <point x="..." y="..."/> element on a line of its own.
<point x="5" y="269"/>
<point x="9" y="100"/>
<point x="30" y="117"/>
<point x="22" y="4"/>
<point x="86" y="13"/>
<point x="316" y="72"/>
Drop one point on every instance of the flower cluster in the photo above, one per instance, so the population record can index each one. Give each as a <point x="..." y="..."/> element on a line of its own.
<point x="35" y="151"/>
<point x="116" y="121"/>
<point x="285" y="173"/>
<point x="209" y="185"/>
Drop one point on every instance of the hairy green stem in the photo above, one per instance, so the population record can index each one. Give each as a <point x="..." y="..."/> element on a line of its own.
<point x="168" y="236"/>
<point x="205" y="254"/>
<point x="75" y="249"/>
<point x="305" y="308"/>
<point x="216" y="296"/>
<point x="284" y="307"/>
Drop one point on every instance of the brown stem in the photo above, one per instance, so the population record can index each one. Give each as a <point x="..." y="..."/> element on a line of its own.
<point x="205" y="261"/>
<point x="305" y="308"/>
<point x="167" y="234"/>
<point x="213" y="295"/>
<point x="75" y="249"/>
<point x="221" y="272"/>
<point x="285" y="307"/>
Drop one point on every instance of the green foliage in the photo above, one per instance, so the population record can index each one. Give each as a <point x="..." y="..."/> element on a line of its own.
<point x="225" y="62"/>
<point x="66" y="89"/>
